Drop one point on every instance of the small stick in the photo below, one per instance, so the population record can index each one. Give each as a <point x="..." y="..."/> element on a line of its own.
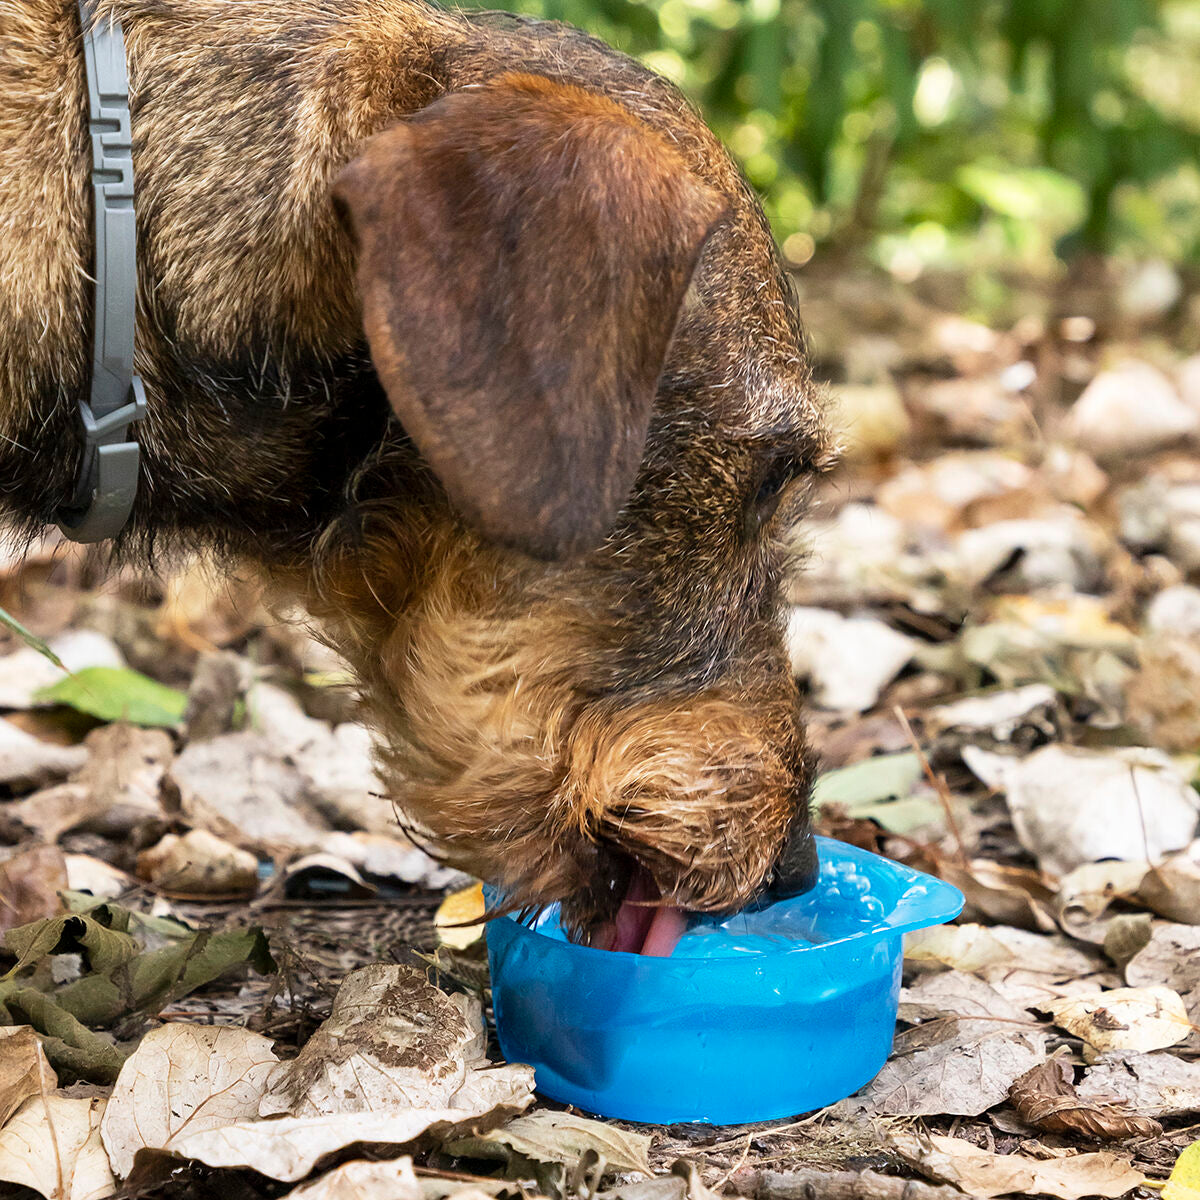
<point x="938" y="783"/>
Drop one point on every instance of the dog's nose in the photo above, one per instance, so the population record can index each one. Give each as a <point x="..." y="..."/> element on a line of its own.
<point x="797" y="868"/>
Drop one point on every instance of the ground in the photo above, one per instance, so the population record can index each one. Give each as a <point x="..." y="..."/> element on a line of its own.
<point x="1001" y="645"/>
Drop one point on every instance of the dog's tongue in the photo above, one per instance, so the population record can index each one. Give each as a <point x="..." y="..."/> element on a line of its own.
<point x="643" y="926"/>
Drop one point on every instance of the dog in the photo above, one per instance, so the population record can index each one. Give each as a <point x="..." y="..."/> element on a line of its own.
<point x="468" y="332"/>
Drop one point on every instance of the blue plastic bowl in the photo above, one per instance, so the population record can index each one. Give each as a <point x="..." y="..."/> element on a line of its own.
<point x="717" y="1032"/>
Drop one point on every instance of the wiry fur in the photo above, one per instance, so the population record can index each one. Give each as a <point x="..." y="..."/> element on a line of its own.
<point x="543" y="721"/>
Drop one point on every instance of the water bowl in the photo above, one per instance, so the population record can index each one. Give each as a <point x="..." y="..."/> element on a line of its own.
<point x="754" y="1017"/>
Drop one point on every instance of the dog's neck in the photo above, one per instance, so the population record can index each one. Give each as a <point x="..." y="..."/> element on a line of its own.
<point x="244" y="111"/>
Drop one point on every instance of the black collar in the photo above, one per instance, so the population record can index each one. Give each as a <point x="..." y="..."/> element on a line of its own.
<point x="108" y="472"/>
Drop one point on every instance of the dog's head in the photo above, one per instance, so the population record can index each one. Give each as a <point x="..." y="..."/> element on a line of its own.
<point x="575" y="651"/>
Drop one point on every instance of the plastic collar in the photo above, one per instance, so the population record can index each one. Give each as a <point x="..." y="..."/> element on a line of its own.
<point x="108" y="473"/>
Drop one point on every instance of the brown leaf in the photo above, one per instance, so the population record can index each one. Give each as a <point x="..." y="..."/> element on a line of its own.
<point x="24" y="1071"/>
<point x="29" y="886"/>
<point x="1045" y="1098"/>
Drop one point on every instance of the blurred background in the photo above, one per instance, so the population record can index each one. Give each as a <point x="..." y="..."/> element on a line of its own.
<point x="995" y="139"/>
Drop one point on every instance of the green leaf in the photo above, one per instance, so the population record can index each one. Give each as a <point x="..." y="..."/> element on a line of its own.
<point x="118" y="694"/>
<point x="104" y="949"/>
<point x="71" y="1047"/>
<point x="880" y="789"/>
<point x="885" y="777"/>
<point x="30" y="639"/>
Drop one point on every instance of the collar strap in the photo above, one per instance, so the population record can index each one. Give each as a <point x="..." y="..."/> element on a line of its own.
<point x="108" y="472"/>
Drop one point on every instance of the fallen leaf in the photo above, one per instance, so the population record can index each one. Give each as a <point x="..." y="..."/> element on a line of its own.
<point x="27" y="761"/>
<point x="553" y="1137"/>
<point x="53" y="1146"/>
<point x="392" y="856"/>
<point x="1085" y="894"/>
<point x="102" y="880"/>
<point x="954" y="1065"/>
<point x="1130" y="410"/>
<point x="458" y="918"/>
<point x="288" y="1148"/>
<point x="850" y="660"/>
<point x="955" y="993"/>
<point x="200" y="864"/>
<point x="1154" y="1085"/>
<point x="238" y="787"/>
<point x="27" y="671"/>
<point x="1172" y="887"/>
<point x="118" y="694"/>
<point x="364" y="1180"/>
<point x="1171" y="958"/>
<point x="393" y="1040"/>
<point x="1070" y="806"/>
<point x="24" y="1069"/>
<point x="184" y="1079"/>
<point x="1010" y="895"/>
<point x="1045" y="1097"/>
<point x="1184" y="1180"/>
<point x="117" y="789"/>
<point x="323" y="877"/>
<point x="30" y="882"/>
<point x="979" y="1172"/>
<point x="1137" y="1019"/>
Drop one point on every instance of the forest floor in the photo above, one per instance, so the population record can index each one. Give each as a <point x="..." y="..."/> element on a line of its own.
<point x="999" y="632"/>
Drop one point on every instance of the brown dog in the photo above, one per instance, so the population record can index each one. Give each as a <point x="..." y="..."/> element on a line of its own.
<point x="537" y="505"/>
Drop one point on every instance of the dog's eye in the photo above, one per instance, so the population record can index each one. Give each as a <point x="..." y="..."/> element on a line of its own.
<point x="771" y="487"/>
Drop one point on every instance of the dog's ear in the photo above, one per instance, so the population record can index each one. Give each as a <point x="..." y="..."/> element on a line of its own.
<point x="524" y="251"/>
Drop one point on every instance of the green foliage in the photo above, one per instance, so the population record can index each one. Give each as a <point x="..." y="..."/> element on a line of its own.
<point x="118" y="694"/>
<point x="929" y="128"/>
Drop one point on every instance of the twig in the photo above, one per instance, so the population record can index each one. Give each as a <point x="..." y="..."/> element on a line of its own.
<point x="938" y="784"/>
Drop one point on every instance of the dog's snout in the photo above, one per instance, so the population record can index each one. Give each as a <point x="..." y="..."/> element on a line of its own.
<point x="797" y="868"/>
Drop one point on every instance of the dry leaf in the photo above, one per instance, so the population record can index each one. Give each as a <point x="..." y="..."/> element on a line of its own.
<point x="363" y="1180"/>
<point x="955" y="993"/>
<point x="53" y="1146"/>
<point x="27" y="760"/>
<point x="1171" y="958"/>
<point x="30" y="882"/>
<point x="1045" y="1097"/>
<point x="553" y="1137"/>
<point x="1071" y="806"/>
<point x="184" y="1079"/>
<point x="957" y="1065"/>
<point x="1085" y="894"/>
<point x="199" y="864"/>
<point x="1155" y="1085"/>
<point x="1136" y="1019"/>
<point x="454" y="917"/>
<point x="979" y="1172"/>
<point x="1172" y="887"/>
<point x="394" y="1040"/>
<point x="1009" y="895"/>
<point x="288" y="1148"/>
<point x="24" y="1070"/>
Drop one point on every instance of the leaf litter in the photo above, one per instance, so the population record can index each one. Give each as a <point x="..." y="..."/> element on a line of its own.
<point x="1007" y="560"/>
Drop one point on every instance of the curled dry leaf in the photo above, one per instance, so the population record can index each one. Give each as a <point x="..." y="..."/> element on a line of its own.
<point x="52" y="1145"/>
<point x="199" y="864"/>
<point x="1136" y="1019"/>
<point x="184" y="1079"/>
<point x="979" y="1172"/>
<point x="1045" y="1097"/>
<point x="1010" y="895"/>
<point x="1086" y="892"/>
<point x="1172" y="887"/>
<point x="24" y="1069"/>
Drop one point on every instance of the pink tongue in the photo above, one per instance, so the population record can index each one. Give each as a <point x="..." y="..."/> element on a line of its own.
<point x="644" y="927"/>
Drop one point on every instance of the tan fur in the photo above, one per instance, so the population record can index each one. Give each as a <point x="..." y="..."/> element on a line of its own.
<point x="546" y="723"/>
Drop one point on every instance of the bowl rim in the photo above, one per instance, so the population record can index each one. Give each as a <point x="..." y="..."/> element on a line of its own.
<point x="925" y="900"/>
